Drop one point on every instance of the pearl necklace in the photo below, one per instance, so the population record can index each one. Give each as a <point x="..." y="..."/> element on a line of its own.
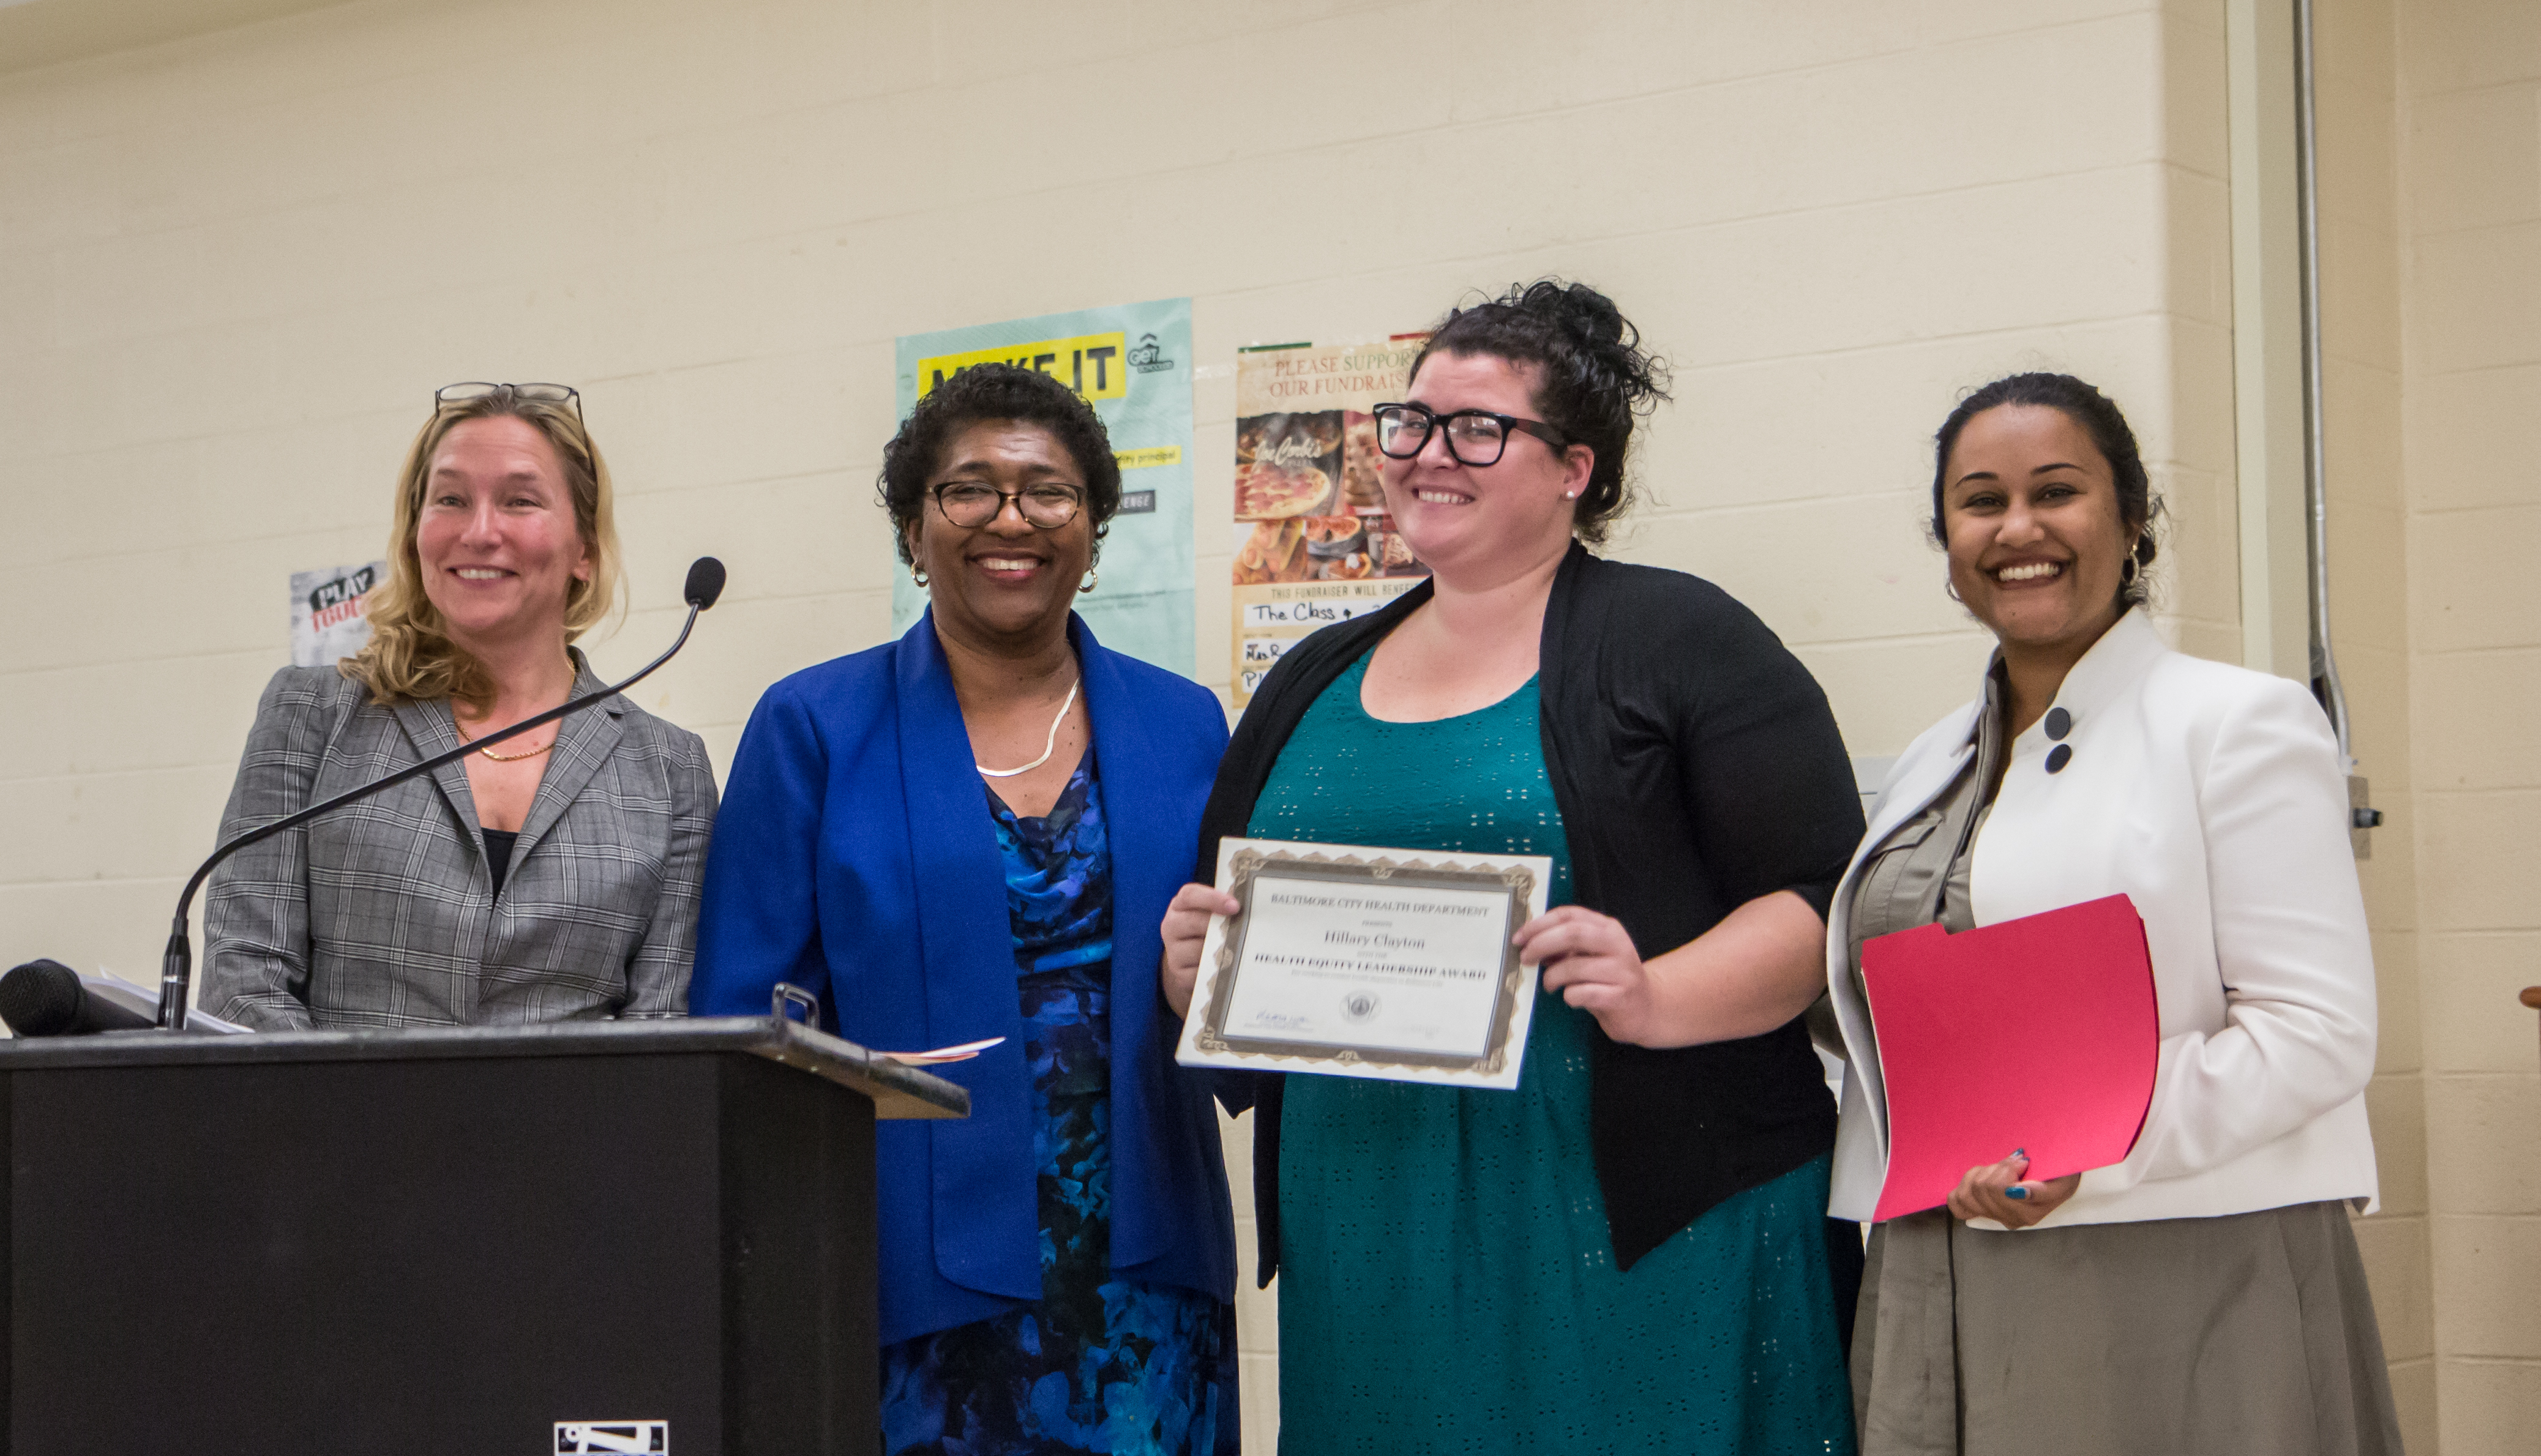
<point x="1046" y="749"/>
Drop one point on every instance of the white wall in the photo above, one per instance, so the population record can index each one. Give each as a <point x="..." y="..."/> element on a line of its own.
<point x="2360" y="329"/>
<point x="234" y="266"/>
<point x="2469" y="86"/>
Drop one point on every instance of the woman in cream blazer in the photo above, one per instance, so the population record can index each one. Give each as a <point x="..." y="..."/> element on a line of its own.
<point x="2205" y="1294"/>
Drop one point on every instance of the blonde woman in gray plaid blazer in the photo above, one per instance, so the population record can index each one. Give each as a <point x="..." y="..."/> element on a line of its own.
<point x="555" y="880"/>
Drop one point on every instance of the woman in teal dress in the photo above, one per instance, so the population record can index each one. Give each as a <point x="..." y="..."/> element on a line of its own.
<point x="1629" y="1253"/>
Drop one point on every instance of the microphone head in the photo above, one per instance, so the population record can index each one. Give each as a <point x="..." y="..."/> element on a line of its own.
<point x="705" y="582"/>
<point x="40" y="999"/>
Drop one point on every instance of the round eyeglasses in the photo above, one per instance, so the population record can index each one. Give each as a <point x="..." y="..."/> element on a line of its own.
<point x="1045" y="507"/>
<point x="1475" y="437"/>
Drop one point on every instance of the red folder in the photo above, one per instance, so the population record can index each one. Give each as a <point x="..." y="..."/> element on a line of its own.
<point x="2040" y="1033"/>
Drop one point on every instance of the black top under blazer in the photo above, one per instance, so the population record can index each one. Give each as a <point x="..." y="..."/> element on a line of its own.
<point x="1697" y="768"/>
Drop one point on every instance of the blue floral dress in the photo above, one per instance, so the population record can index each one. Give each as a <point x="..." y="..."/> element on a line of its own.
<point x="1097" y="1364"/>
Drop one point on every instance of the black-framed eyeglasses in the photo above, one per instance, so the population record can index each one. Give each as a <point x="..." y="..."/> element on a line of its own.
<point x="970" y="504"/>
<point x="1475" y="437"/>
<point x="469" y="392"/>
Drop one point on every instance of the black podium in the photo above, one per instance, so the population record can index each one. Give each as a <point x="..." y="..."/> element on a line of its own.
<point x="649" y="1236"/>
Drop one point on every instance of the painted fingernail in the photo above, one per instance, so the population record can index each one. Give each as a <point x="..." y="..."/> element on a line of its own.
<point x="2021" y="1152"/>
<point x="2016" y="1191"/>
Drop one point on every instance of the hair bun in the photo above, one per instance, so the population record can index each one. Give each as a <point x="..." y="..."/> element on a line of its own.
<point x="1592" y="377"/>
<point x="1589" y="316"/>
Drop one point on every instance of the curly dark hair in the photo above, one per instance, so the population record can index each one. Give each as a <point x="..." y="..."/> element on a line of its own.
<point x="1596" y="377"/>
<point x="2098" y="414"/>
<point x="990" y="392"/>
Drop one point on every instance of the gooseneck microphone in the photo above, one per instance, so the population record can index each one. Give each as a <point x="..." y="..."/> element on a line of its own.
<point x="44" y="998"/>
<point x="176" y="968"/>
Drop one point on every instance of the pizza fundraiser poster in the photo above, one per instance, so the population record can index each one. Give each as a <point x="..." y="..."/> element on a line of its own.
<point x="1312" y="542"/>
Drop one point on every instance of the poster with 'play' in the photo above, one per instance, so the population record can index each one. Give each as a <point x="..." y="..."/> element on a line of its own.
<point x="326" y="621"/>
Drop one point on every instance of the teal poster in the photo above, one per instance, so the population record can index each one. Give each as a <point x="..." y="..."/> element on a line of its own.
<point x="1133" y="363"/>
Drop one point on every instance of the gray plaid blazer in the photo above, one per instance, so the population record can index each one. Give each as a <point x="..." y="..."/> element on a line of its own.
<point x="383" y="912"/>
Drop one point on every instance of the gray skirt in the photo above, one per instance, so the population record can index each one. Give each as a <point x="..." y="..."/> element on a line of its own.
<point x="2251" y="1335"/>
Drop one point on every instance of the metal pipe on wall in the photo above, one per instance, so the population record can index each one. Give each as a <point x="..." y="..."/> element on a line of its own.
<point x="2324" y="661"/>
<point x="2325" y="683"/>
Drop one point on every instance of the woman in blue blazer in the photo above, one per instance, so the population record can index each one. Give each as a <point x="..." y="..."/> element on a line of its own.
<point x="973" y="833"/>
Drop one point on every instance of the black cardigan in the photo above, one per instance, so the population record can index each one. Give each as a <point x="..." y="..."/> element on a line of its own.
<point x="1697" y="768"/>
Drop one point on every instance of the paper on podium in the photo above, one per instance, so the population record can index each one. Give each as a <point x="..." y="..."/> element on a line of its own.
<point x="942" y="1054"/>
<point x="2040" y="1033"/>
<point x="142" y="1002"/>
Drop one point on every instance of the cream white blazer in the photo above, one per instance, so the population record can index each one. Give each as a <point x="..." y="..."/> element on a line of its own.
<point x="2215" y="797"/>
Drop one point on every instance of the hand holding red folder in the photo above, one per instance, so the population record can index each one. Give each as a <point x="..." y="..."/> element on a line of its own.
<point x="2040" y="1033"/>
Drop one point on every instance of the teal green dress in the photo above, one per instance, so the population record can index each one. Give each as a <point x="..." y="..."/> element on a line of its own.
<point x="1447" y="1282"/>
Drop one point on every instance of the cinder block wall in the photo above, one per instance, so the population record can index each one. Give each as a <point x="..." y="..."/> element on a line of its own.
<point x="2468" y="82"/>
<point x="2360" y="329"/>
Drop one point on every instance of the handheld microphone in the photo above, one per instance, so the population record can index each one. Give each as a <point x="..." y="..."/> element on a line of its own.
<point x="177" y="967"/>
<point x="44" y="998"/>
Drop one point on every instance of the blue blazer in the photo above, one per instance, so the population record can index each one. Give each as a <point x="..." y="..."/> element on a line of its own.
<point x="855" y="857"/>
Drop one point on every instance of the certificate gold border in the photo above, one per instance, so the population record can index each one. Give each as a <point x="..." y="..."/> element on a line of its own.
<point x="1249" y="864"/>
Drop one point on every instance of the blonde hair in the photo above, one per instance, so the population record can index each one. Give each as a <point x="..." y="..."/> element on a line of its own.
<point x="410" y="656"/>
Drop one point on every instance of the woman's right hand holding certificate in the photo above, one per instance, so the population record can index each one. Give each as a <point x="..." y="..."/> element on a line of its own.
<point x="1185" y="927"/>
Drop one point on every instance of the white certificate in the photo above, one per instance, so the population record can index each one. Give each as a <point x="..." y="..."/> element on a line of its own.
<point x="1362" y="962"/>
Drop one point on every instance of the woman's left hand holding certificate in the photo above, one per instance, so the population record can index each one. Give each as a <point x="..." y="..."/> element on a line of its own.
<point x="1590" y="960"/>
<point x="1357" y="961"/>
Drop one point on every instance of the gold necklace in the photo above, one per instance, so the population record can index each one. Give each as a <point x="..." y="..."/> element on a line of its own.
<point x="505" y="758"/>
